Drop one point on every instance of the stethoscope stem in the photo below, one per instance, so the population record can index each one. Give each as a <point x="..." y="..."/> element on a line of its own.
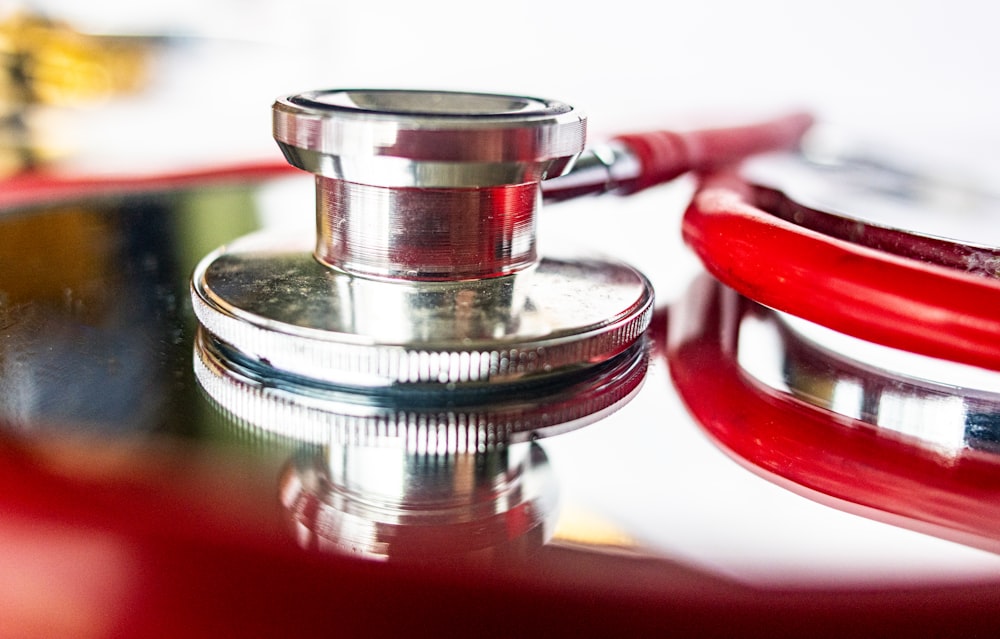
<point x="636" y="161"/>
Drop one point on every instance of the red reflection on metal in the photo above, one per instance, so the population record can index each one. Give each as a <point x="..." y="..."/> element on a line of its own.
<point x="426" y="233"/>
<point x="44" y="186"/>
<point x="830" y="457"/>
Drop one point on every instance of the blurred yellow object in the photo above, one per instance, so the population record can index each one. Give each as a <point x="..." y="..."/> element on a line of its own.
<point x="48" y="68"/>
<point x="580" y="527"/>
<point x="47" y="62"/>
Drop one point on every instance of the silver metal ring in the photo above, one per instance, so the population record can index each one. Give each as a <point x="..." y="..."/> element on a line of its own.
<point x="434" y="139"/>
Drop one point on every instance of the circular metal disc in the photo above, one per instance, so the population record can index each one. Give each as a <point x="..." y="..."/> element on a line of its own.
<point x="271" y="301"/>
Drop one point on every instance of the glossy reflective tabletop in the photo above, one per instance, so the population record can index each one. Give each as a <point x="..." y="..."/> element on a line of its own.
<point x="179" y="516"/>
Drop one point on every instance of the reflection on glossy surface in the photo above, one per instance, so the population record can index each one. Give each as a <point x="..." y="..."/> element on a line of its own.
<point x="94" y="327"/>
<point x="385" y="503"/>
<point x="416" y="475"/>
<point x="96" y="336"/>
<point x="418" y="418"/>
<point x="652" y="521"/>
<point x="939" y="476"/>
<point x="942" y="405"/>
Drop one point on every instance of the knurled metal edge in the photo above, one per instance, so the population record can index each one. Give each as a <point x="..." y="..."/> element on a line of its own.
<point x="345" y="362"/>
<point x="308" y="417"/>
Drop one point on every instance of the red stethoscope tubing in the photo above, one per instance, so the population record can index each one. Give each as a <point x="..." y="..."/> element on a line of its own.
<point x="867" y="293"/>
<point x="828" y="457"/>
<point x="665" y="155"/>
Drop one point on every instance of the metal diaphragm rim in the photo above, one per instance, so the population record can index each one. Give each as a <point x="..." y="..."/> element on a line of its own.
<point x="272" y="301"/>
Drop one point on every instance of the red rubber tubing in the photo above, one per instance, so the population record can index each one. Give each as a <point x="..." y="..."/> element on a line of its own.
<point x="664" y="155"/>
<point x="870" y="294"/>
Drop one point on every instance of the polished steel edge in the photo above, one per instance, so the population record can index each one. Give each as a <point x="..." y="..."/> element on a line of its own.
<point x="404" y="172"/>
<point x="426" y="234"/>
<point x="942" y="405"/>
<point x="528" y="137"/>
<point x="404" y="148"/>
<point x="302" y="419"/>
<point x="345" y="419"/>
<point x="599" y="169"/>
<point x="340" y="359"/>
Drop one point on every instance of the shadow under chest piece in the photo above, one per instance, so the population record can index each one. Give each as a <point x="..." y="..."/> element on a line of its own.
<point x="424" y="301"/>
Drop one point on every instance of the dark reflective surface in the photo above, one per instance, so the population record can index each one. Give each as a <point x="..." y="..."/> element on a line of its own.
<point x="97" y="389"/>
<point x="94" y="313"/>
<point x="97" y="345"/>
<point x="493" y="509"/>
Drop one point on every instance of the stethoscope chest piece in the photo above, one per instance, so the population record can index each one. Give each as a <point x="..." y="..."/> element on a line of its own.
<point x="424" y="281"/>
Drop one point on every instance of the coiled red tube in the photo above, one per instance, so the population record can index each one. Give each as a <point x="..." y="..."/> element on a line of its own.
<point x="870" y="294"/>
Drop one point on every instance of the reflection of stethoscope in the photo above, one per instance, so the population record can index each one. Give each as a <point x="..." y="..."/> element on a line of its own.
<point x="933" y="470"/>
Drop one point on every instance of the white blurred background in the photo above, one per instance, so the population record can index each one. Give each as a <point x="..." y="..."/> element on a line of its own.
<point x="918" y="74"/>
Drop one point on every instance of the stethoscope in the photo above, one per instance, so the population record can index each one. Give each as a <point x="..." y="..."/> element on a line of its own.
<point x="422" y="312"/>
<point x="424" y="283"/>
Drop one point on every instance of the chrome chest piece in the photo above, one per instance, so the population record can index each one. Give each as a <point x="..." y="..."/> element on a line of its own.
<point x="424" y="301"/>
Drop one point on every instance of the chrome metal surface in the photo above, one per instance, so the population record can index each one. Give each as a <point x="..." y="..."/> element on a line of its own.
<point x="429" y="139"/>
<point x="427" y="185"/>
<point x="941" y="405"/>
<point x="97" y="384"/>
<point x="425" y="234"/>
<point x="420" y="419"/>
<point x="599" y="169"/>
<point x="430" y="281"/>
<point x="278" y="306"/>
<point x="851" y="193"/>
<point x="493" y="508"/>
<point x="865" y="201"/>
